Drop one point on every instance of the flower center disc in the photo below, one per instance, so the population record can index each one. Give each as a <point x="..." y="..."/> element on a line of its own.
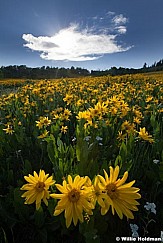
<point x="74" y="195"/>
<point x="112" y="191"/>
<point x="40" y="186"/>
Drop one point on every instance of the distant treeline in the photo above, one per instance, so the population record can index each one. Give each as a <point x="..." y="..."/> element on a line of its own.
<point x="43" y="72"/>
<point x="157" y="66"/>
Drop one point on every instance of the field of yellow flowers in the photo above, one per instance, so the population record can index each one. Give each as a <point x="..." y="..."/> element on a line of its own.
<point x="71" y="151"/>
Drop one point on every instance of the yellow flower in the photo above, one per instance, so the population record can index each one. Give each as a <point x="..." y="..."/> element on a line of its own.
<point x="68" y="98"/>
<point x="65" y="115"/>
<point x="75" y="199"/>
<point x="37" y="188"/>
<point x="98" y="194"/>
<point x="44" y="134"/>
<point x="101" y="107"/>
<point x="120" y="195"/>
<point x="137" y="113"/>
<point x="145" y="136"/>
<point x="149" y="98"/>
<point x="160" y="110"/>
<point x="113" y="110"/>
<point x="39" y="124"/>
<point x="8" y="130"/>
<point x="82" y="115"/>
<point x="121" y="136"/>
<point x="67" y="112"/>
<point x="126" y="125"/>
<point x="8" y="116"/>
<point x="64" y="129"/>
<point x="93" y="112"/>
<point x="56" y="116"/>
<point x="44" y="121"/>
<point x="137" y="120"/>
<point x="80" y="102"/>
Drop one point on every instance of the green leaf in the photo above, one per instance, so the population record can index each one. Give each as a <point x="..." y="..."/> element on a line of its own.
<point x="161" y="171"/>
<point x="10" y="176"/>
<point x="52" y="149"/>
<point x="123" y="151"/>
<point x="42" y="235"/>
<point x="61" y="167"/>
<point x="82" y="155"/>
<point x="27" y="167"/>
<point x="39" y="217"/>
<point x="152" y="120"/>
<point x="51" y="206"/>
<point x="118" y="161"/>
<point x="92" y="237"/>
<point x="3" y="237"/>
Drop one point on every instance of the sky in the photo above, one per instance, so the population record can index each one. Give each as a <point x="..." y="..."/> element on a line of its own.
<point x="91" y="34"/>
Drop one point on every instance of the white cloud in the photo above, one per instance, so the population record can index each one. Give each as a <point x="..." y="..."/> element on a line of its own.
<point x="111" y="13"/>
<point x="119" y="19"/>
<point x="121" y="29"/>
<point x="74" y="44"/>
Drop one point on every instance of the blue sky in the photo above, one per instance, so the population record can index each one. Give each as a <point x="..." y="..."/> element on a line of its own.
<point x="92" y="34"/>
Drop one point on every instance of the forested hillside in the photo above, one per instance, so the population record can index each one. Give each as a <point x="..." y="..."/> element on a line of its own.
<point x="47" y="72"/>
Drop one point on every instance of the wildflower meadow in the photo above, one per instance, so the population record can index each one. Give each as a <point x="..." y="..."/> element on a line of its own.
<point x="81" y="159"/>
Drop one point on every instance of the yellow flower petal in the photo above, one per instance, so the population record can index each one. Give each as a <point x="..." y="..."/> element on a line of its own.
<point x="62" y="189"/>
<point x="57" y="212"/>
<point x="122" y="181"/>
<point x="106" y="176"/>
<point x="115" y="173"/>
<point x="125" y="186"/>
<point x="102" y="180"/>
